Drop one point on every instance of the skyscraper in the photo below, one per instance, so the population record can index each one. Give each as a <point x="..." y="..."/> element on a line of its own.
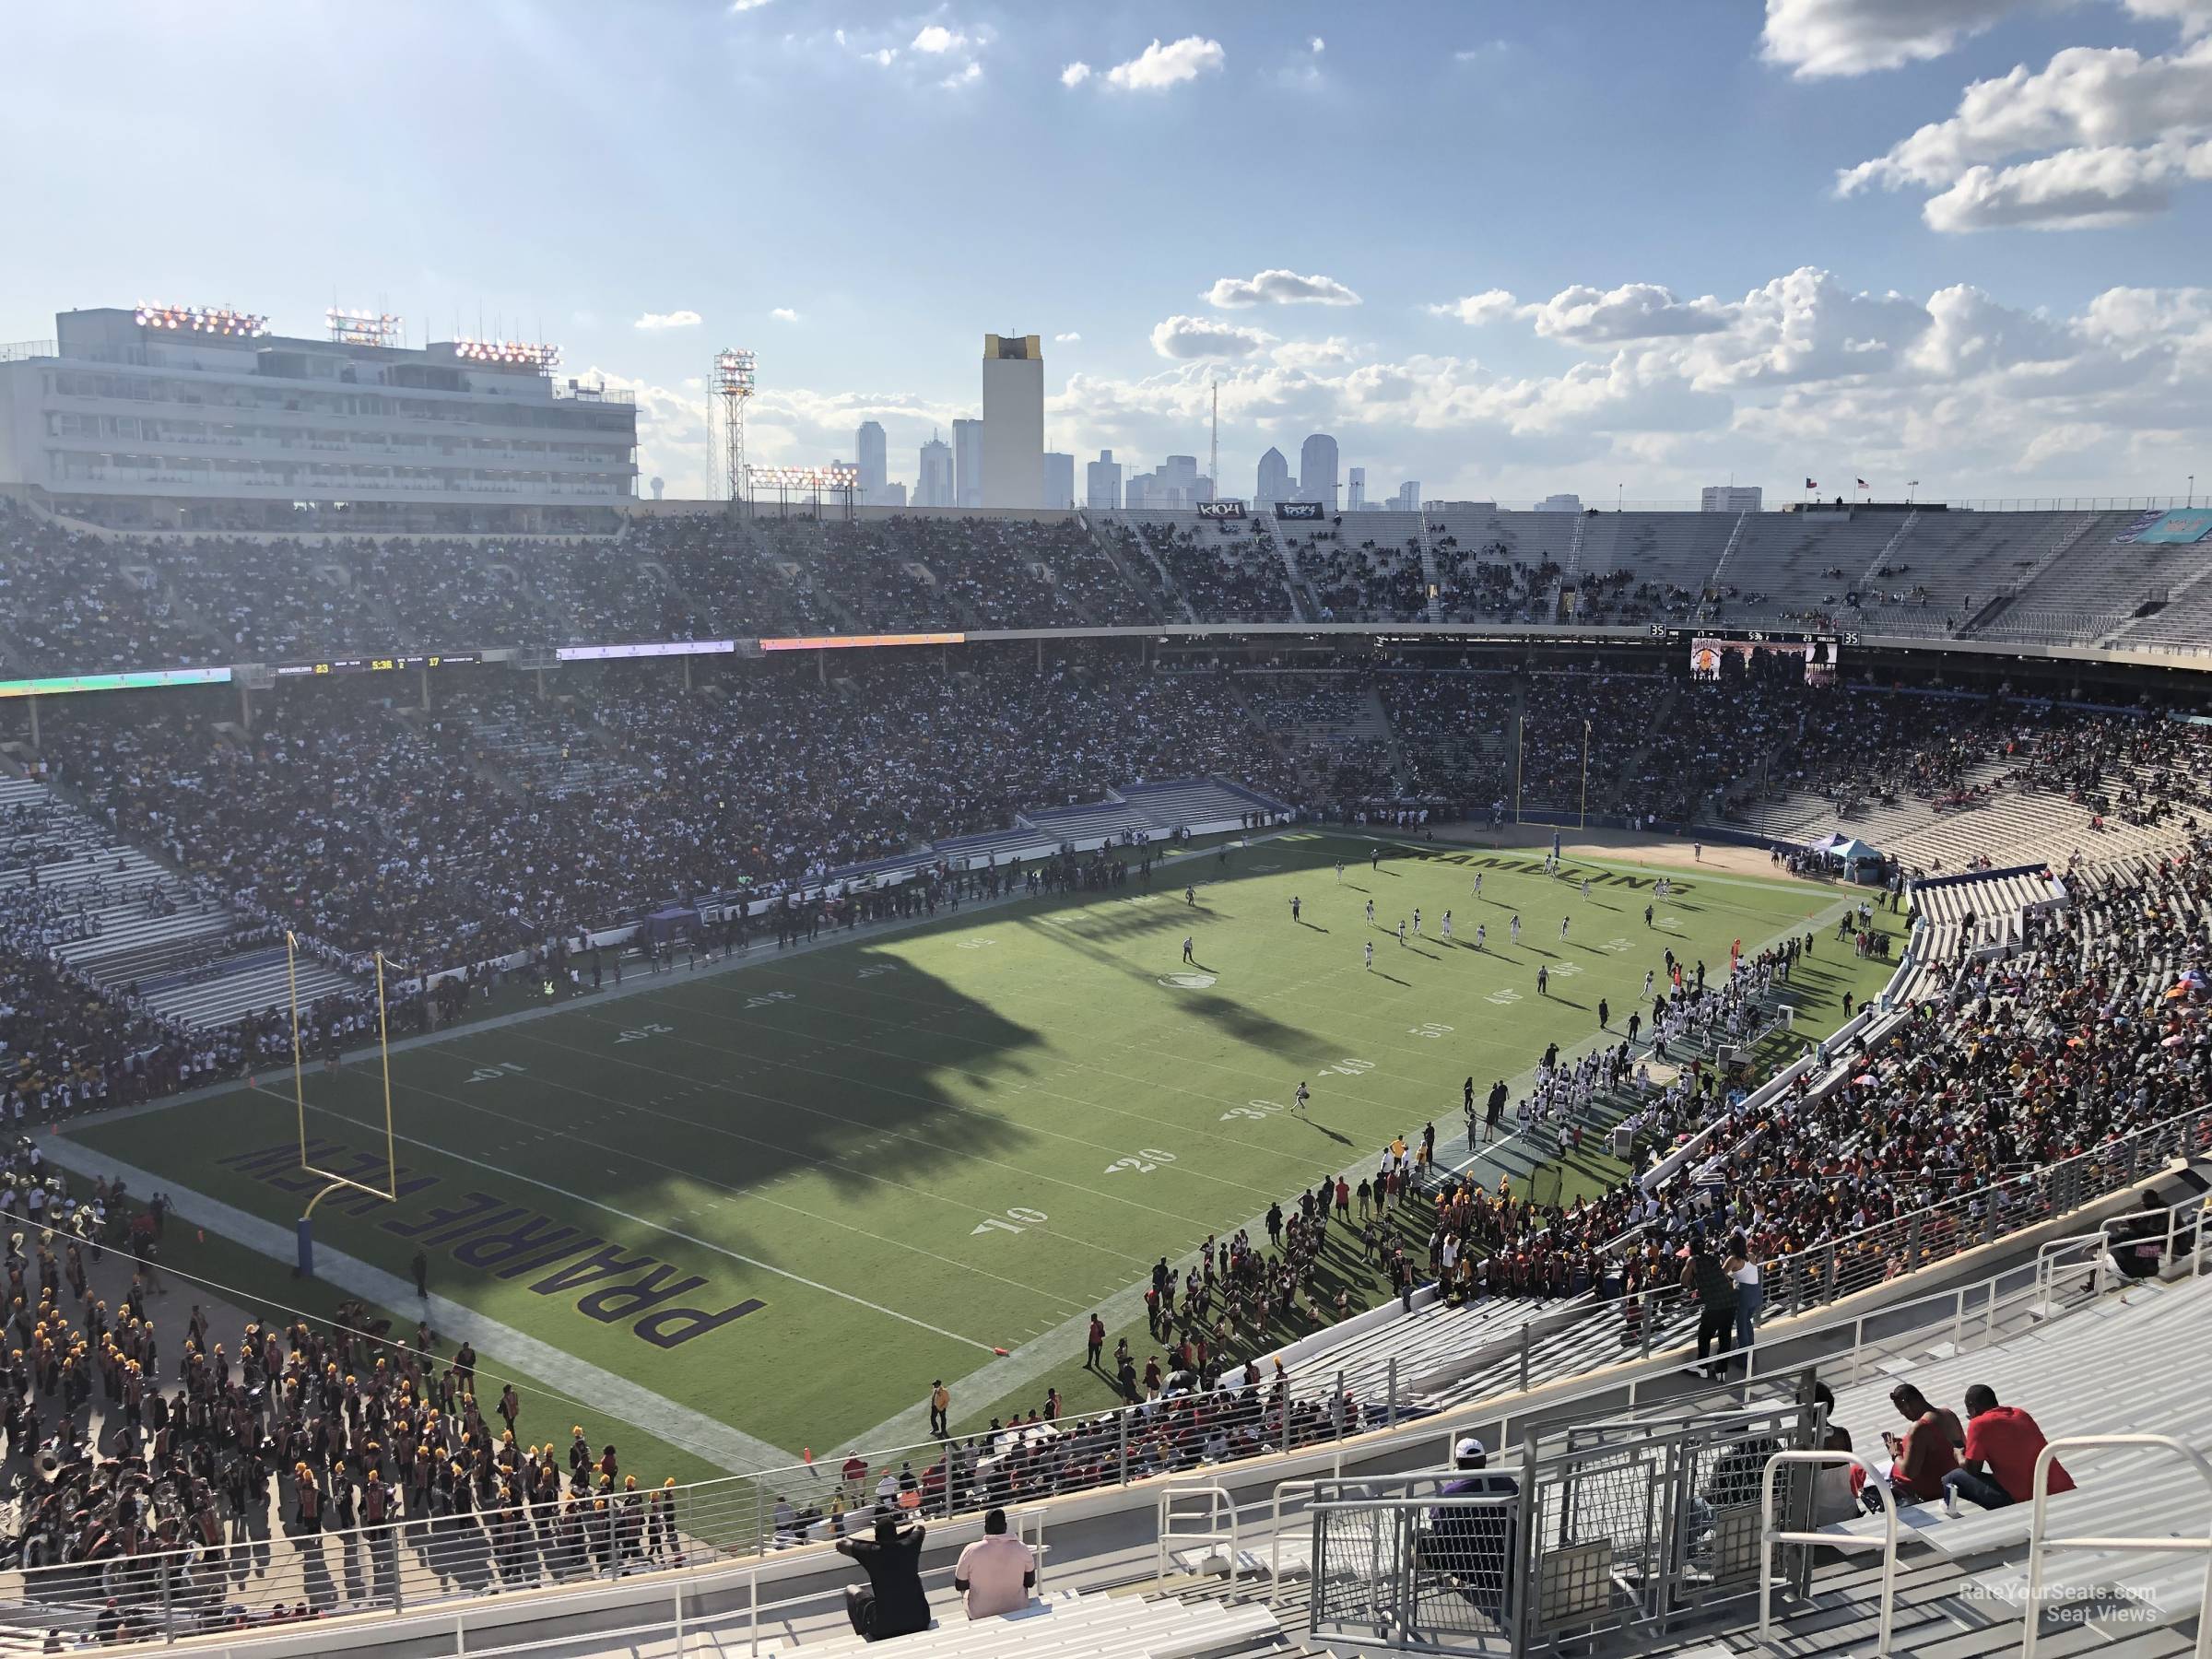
<point x="1354" y="496"/>
<point x="1059" y="479"/>
<point x="1317" y="471"/>
<point x="1013" y="441"/>
<point x="1103" y="482"/>
<point x="1176" y="484"/>
<point x="1408" y="498"/>
<point x="967" y="461"/>
<point x="1275" y="479"/>
<point x="934" y="478"/>
<point x="875" y="457"/>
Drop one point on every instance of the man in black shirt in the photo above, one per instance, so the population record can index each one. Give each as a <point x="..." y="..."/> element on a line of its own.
<point x="892" y="1601"/>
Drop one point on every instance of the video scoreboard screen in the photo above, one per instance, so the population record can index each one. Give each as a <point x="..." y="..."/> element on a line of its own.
<point x="373" y="664"/>
<point x="1819" y="654"/>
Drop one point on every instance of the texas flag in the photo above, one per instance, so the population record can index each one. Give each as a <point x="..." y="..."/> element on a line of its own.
<point x="1810" y="484"/>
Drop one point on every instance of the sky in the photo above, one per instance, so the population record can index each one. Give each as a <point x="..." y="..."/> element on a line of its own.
<point x="1505" y="247"/>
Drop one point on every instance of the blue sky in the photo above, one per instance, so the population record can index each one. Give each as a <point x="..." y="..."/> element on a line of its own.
<point x="1514" y="248"/>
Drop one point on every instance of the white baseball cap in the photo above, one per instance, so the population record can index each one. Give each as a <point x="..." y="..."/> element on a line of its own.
<point x="1468" y="1447"/>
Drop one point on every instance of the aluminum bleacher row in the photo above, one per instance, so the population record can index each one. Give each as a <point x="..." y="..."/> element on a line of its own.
<point x="145" y="927"/>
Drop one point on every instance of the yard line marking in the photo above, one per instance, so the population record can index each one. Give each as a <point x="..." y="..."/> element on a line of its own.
<point x="1244" y="1148"/>
<point x="1025" y="1285"/>
<point x="720" y="1249"/>
<point x="923" y="1141"/>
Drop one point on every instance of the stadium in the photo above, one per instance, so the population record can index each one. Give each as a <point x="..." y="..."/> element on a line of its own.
<point x="1147" y="1070"/>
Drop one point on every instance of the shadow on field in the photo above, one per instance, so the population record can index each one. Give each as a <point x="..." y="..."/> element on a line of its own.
<point x="1237" y="1019"/>
<point x="596" y="1117"/>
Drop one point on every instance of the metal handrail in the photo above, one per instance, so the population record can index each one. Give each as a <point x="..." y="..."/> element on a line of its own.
<point x="1217" y="1500"/>
<point x="2038" y="1542"/>
<point x="1770" y="1536"/>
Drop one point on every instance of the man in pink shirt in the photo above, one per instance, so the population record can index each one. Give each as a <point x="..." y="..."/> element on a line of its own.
<point x="996" y="1572"/>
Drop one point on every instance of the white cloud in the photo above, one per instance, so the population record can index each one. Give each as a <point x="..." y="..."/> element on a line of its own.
<point x="737" y="6"/>
<point x="1851" y="37"/>
<point x="1182" y="336"/>
<point x="883" y="57"/>
<point x="936" y="39"/>
<point x="783" y="313"/>
<point x="2108" y="132"/>
<point x="675" y="319"/>
<point x="1316" y="45"/>
<point x="2075" y="190"/>
<point x="1336" y="352"/>
<point x="1075" y="74"/>
<point x="1279" y="288"/>
<point x="1635" y="310"/>
<point x="1962" y="390"/>
<point x="1069" y="338"/>
<point x="2086" y="97"/>
<point x="963" y="77"/>
<point x="1492" y="305"/>
<point x="1158" y="67"/>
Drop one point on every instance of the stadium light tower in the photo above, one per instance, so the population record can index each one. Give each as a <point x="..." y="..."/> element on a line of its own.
<point x="734" y="382"/>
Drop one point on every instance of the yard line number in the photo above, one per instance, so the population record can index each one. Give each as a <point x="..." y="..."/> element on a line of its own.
<point x="1147" y="1158"/>
<point x="1017" y="1219"/>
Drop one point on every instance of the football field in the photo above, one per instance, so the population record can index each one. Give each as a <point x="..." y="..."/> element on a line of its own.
<point x="786" y="1194"/>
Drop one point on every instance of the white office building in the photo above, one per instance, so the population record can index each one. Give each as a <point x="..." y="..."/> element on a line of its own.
<point x="874" y="462"/>
<point x="1274" y="481"/>
<point x="1354" y="499"/>
<point x="1561" y="503"/>
<point x="176" y="417"/>
<point x="935" y="484"/>
<point x="1013" y="421"/>
<point x="967" y="461"/>
<point x="1103" y="482"/>
<point x="1059" y="479"/>
<point x="1317" y="471"/>
<point x="1176" y="484"/>
<point x="1731" y="498"/>
<point x="1408" y="498"/>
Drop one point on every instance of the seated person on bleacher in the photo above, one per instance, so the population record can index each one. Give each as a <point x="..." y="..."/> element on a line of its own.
<point x="1473" y="1543"/>
<point x="892" y="1601"/>
<point x="996" y="1572"/>
<point x="1928" y="1452"/>
<point x="2138" y="1242"/>
<point x="2002" y="1444"/>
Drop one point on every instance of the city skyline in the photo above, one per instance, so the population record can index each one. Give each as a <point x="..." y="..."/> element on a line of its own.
<point x="1964" y="246"/>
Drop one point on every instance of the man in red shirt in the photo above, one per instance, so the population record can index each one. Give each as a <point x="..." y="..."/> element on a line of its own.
<point x="2002" y="1444"/>
<point x="1928" y="1454"/>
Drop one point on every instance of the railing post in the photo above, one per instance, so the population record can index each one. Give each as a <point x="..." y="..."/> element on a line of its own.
<point x="1336" y="1408"/>
<point x="1120" y="1419"/>
<point x="1524" y="1348"/>
<point x="1393" y="1407"/>
<point x="169" y="1628"/>
<point x="1831" y="1273"/>
<point x="1912" y="1243"/>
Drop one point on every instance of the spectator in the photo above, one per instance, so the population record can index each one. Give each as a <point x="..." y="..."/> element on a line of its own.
<point x="1929" y="1450"/>
<point x="996" y="1572"/>
<point x="892" y="1601"/>
<point x="2002" y="1444"/>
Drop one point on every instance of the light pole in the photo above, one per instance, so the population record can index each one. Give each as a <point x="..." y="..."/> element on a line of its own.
<point x="2192" y="489"/>
<point x="1583" y="817"/>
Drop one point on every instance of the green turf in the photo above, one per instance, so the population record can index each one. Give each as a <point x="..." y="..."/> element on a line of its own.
<point x="920" y="1145"/>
